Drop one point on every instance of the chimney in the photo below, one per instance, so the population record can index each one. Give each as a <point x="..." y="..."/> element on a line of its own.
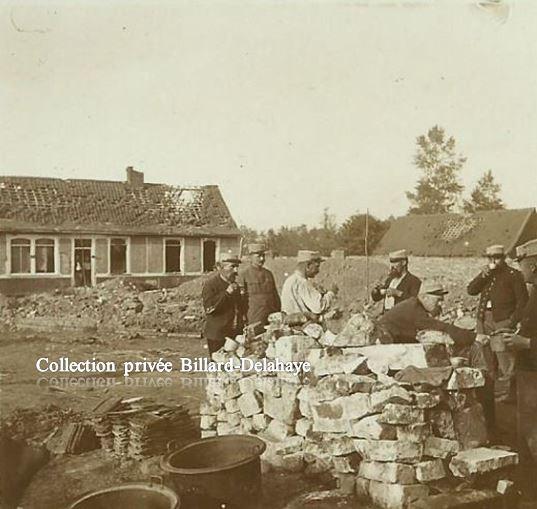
<point x="135" y="178"/>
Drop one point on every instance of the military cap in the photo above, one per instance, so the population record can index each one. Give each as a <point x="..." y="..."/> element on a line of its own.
<point x="256" y="248"/>
<point x="396" y="256"/>
<point x="229" y="257"/>
<point x="496" y="250"/>
<point x="308" y="256"/>
<point x="433" y="288"/>
<point x="526" y="250"/>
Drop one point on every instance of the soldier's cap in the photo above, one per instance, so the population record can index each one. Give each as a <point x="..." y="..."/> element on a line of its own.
<point x="256" y="248"/>
<point x="433" y="288"/>
<point x="229" y="257"/>
<point x="304" y="255"/>
<point x="396" y="256"/>
<point x="496" y="251"/>
<point x="527" y="250"/>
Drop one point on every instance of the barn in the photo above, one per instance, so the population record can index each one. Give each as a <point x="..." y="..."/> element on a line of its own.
<point x="459" y="234"/>
<point x="56" y="233"/>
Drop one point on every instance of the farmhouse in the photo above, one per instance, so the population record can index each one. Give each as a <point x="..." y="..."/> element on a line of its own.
<point x="459" y="234"/>
<point x="56" y="233"/>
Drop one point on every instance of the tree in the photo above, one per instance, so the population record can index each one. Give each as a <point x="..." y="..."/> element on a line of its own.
<point x="438" y="190"/>
<point x="352" y="233"/>
<point x="485" y="195"/>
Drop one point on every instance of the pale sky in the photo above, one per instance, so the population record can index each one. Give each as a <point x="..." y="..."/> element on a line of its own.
<point x="290" y="106"/>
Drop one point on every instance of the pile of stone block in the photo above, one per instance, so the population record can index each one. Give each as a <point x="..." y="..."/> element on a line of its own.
<point x="393" y="423"/>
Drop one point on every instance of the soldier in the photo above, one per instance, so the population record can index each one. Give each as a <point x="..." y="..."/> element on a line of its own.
<point x="258" y="289"/>
<point x="300" y="295"/>
<point x="524" y="344"/>
<point x="503" y="296"/>
<point x="400" y="283"/>
<point x="222" y="302"/>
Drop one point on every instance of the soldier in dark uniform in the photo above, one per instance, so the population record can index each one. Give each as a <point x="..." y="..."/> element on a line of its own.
<point x="258" y="289"/>
<point x="503" y="296"/>
<point x="399" y="285"/>
<point x="222" y="303"/>
<point x="524" y="344"/>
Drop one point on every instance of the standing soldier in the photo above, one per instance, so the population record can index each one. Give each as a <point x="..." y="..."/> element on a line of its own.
<point x="258" y="289"/>
<point x="400" y="283"/>
<point x="524" y="344"/>
<point x="503" y="296"/>
<point x="301" y="295"/>
<point x="222" y="302"/>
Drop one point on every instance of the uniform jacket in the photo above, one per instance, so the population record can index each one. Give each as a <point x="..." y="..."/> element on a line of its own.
<point x="409" y="285"/>
<point x="260" y="296"/>
<point x="505" y="289"/>
<point x="527" y="359"/>
<point x="405" y="319"/>
<point x="223" y="311"/>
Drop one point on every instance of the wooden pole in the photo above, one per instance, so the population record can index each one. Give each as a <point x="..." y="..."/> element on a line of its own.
<point x="366" y="251"/>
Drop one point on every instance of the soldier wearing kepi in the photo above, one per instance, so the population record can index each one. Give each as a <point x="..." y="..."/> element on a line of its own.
<point x="400" y="283"/>
<point x="503" y="296"/>
<point x="524" y="344"/>
<point x="222" y="302"/>
<point x="258" y="289"/>
<point x="301" y="295"/>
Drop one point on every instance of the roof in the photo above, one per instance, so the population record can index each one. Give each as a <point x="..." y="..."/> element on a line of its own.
<point x="459" y="234"/>
<point x="35" y="204"/>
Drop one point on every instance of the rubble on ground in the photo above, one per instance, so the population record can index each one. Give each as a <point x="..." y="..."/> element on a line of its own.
<point x="388" y="422"/>
<point x="114" y="305"/>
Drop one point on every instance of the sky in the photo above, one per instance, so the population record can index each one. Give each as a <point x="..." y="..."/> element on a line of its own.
<point x="289" y="106"/>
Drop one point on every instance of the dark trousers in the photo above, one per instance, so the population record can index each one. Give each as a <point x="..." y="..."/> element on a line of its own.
<point x="215" y="344"/>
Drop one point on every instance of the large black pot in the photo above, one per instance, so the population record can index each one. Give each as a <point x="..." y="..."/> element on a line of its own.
<point x="130" y="496"/>
<point x="215" y="472"/>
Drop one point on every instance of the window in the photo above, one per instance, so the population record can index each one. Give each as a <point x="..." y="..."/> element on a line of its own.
<point x="173" y="255"/>
<point x="44" y="255"/>
<point x="118" y="256"/>
<point x="20" y="256"/>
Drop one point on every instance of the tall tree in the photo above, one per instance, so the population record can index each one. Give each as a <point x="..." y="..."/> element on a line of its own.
<point x="485" y="195"/>
<point x="438" y="190"/>
<point x="352" y="233"/>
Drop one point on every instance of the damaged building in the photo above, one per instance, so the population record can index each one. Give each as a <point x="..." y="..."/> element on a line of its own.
<point x="459" y="234"/>
<point x="56" y="233"/>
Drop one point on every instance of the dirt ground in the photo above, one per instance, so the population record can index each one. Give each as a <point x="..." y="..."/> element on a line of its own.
<point x="32" y="405"/>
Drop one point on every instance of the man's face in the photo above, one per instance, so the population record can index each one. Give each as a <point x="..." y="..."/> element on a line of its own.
<point x="257" y="259"/>
<point x="397" y="267"/>
<point x="312" y="269"/>
<point x="528" y="267"/>
<point x="494" y="261"/>
<point x="433" y="303"/>
<point x="229" y="271"/>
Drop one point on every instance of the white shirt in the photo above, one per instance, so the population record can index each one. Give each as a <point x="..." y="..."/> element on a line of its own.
<point x="389" y="302"/>
<point x="299" y="295"/>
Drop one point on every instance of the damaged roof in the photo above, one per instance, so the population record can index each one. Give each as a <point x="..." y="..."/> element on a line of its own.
<point x="35" y="204"/>
<point x="459" y="234"/>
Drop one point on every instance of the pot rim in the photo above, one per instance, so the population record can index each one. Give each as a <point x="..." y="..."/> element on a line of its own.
<point x="256" y="442"/>
<point x="159" y="488"/>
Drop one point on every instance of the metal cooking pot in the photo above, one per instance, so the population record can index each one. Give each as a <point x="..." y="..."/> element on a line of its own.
<point x="130" y="496"/>
<point x="217" y="471"/>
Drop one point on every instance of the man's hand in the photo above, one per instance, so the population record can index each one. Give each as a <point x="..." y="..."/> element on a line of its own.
<point x="482" y="339"/>
<point x="393" y="292"/>
<point x="516" y="342"/>
<point x="486" y="271"/>
<point x="232" y="288"/>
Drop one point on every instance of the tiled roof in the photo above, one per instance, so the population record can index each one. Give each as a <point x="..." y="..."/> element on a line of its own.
<point x="458" y="234"/>
<point x="96" y="206"/>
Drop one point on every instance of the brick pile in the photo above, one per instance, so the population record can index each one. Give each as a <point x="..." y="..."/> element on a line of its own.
<point x="392" y="423"/>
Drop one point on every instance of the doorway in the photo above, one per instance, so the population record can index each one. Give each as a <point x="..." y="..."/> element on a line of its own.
<point x="209" y="255"/>
<point x="82" y="262"/>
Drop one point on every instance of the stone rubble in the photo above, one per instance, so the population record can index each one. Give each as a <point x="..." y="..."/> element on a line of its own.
<point x="387" y="421"/>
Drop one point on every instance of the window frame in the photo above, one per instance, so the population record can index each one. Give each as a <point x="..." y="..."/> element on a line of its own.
<point x="127" y="256"/>
<point x="182" y="243"/>
<point x="33" y="238"/>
